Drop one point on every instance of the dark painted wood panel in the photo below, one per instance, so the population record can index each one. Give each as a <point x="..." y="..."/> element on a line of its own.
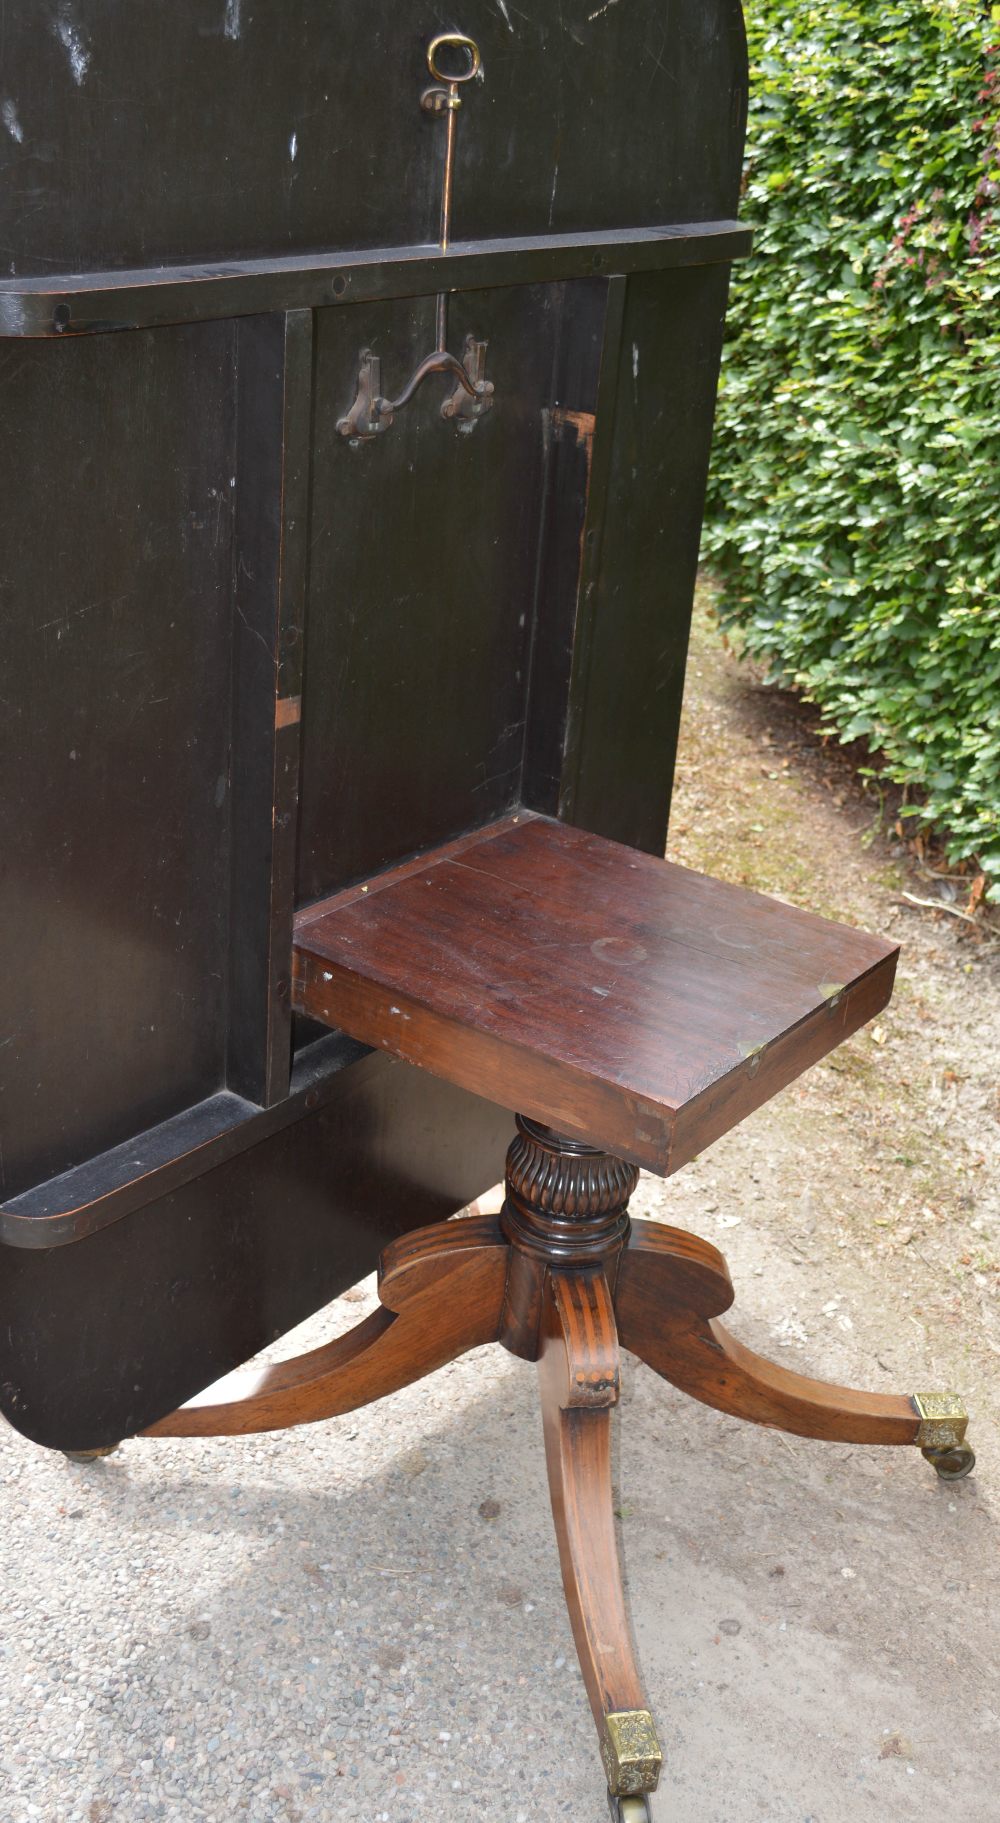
<point x="151" y="1164"/>
<point x="651" y="448"/>
<point x="619" y="998"/>
<point x="138" y="132"/>
<point x="144" y="902"/>
<point x="116" y="532"/>
<point x="61" y="304"/>
<point x="568" y="428"/>
<point x="100" y="1339"/>
<point x="422" y="587"/>
<point x="274" y="427"/>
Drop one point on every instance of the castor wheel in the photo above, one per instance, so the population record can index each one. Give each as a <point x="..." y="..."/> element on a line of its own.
<point x="629" y="1810"/>
<point x="952" y="1464"/>
<point x="90" y="1455"/>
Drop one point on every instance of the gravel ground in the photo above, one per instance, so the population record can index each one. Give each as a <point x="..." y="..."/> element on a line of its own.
<point x="363" y="1623"/>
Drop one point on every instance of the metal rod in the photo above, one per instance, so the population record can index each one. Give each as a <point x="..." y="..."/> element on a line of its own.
<point x="446" y="192"/>
<point x="370" y="411"/>
<point x="449" y="166"/>
<point x="438" y="362"/>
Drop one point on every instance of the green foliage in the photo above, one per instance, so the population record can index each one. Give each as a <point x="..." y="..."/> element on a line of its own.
<point x="854" y="514"/>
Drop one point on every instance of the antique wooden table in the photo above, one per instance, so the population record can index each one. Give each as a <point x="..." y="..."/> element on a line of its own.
<point x="359" y="381"/>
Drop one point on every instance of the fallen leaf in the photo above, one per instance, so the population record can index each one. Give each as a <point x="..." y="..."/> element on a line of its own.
<point x="975" y="895"/>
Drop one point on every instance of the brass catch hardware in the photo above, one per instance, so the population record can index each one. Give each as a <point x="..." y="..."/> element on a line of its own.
<point x="366" y="416"/>
<point x="472" y="394"/>
<point x="467" y="403"/>
<point x="447" y="99"/>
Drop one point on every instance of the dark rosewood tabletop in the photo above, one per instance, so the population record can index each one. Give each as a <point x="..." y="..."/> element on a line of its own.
<point x="620" y="998"/>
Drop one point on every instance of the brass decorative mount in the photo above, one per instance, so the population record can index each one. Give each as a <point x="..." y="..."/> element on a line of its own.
<point x="943" y="1420"/>
<point x="941" y="1435"/>
<point x="631" y="1753"/>
<point x="470" y="398"/>
<point x="472" y="395"/>
<point x="369" y="414"/>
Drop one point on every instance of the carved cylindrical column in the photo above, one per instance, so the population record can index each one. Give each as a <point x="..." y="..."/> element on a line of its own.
<point x="566" y="1205"/>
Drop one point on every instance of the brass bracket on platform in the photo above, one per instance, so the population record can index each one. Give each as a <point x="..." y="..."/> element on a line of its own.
<point x="631" y="1752"/>
<point x="472" y="395"/>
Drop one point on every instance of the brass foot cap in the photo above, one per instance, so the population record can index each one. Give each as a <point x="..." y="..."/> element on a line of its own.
<point x="631" y="1752"/>
<point x="943" y="1420"/>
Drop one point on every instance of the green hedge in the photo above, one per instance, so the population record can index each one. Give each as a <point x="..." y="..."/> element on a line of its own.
<point x="854" y="514"/>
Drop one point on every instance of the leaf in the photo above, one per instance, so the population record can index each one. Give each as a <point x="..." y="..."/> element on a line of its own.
<point x="853" y="504"/>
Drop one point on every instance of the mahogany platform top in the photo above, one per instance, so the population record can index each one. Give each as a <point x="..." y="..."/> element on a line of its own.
<point x="618" y="998"/>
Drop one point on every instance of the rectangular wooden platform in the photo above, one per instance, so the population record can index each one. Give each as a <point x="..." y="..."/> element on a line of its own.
<point x="617" y="997"/>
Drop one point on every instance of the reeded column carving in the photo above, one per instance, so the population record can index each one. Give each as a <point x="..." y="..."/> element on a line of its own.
<point x="566" y="1204"/>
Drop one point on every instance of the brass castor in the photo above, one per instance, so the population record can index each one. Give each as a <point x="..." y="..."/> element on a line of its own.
<point x="941" y="1434"/>
<point x="629" y="1810"/>
<point x="90" y="1455"/>
<point x="952" y="1464"/>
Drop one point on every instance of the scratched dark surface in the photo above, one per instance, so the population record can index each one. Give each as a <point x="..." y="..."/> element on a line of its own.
<point x="421" y="612"/>
<point x="116" y="530"/>
<point x="244" y="664"/>
<point x="101" y="1338"/>
<point x="136" y="132"/>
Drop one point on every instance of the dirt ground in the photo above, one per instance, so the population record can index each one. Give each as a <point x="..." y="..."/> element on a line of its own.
<point x="860" y="1212"/>
<point x="363" y="1622"/>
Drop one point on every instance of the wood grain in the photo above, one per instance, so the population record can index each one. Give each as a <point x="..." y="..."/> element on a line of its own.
<point x="578" y="1382"/>
<point x="442" y="1292"/>
<point x="665" y="1271"/>
<point x="621" y="999"/>
<point x="663" y="1318"/>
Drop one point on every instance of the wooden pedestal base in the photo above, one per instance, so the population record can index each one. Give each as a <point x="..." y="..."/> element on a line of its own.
<point x="562" y="1276"/>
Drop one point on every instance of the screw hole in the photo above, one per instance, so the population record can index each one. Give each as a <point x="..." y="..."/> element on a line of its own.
<point x="340" y="284"/>
<point x="62" y="316"/>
